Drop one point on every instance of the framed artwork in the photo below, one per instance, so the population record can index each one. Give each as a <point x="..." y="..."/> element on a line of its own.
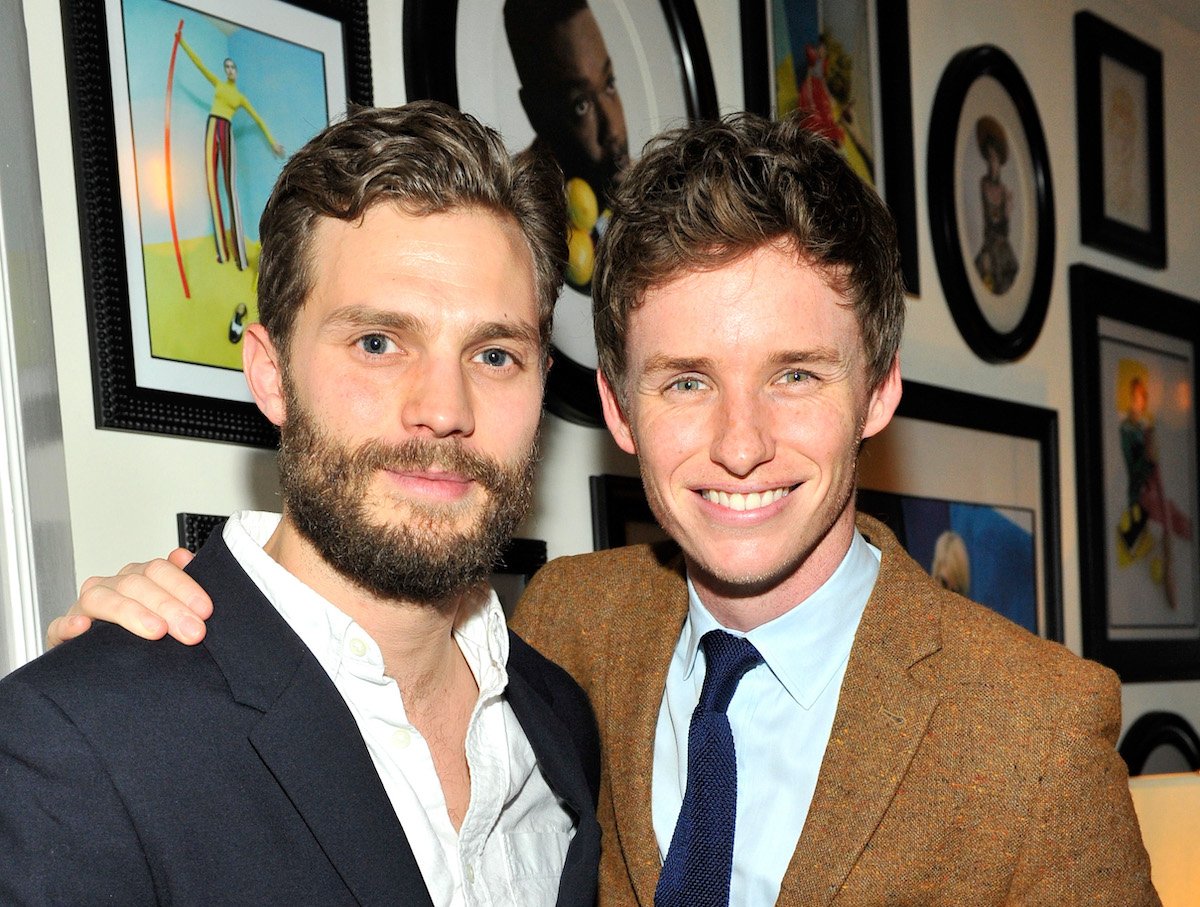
<point x="1134" y="351"/>
<point x="991" y="207"/>
<point x="522" y="558"/>
<point x="589" y="86"/>
<point x="1119" y="96"/>
<point x="182" y="114"/>
<point x="969" y="484"/>
<point x="827" y="58"/>
<point x="621" y="514"/>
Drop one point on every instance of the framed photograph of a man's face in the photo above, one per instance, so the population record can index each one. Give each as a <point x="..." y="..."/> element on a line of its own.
<point x="183" y="115"/>
<point x="1137" y="355"/>
<point x="587" y="84"/>
<point x="990" y="204"/>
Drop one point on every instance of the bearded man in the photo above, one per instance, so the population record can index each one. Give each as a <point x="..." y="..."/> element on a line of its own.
<point x="358" y="727"/>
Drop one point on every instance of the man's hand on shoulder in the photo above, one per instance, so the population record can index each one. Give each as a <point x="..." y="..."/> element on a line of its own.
<point x="150" y="599"/>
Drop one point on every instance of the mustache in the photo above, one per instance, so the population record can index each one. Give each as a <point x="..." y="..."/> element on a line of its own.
<point x="421" y="454"/>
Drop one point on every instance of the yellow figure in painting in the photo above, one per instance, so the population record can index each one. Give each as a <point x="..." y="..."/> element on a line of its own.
<point x="1147" y="499"/>
<point x="220" y="157"/>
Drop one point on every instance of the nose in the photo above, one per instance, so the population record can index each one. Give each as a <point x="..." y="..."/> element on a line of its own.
<point x="611" y="117"/>
<point x="743" y="438"/>
<point x="437" y="401"/>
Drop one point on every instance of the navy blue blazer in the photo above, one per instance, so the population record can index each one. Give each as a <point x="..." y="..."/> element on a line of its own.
<point x="135" y="772"/>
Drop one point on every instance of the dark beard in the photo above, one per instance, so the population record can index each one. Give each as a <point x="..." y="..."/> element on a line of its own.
<point x="326" y="487"/>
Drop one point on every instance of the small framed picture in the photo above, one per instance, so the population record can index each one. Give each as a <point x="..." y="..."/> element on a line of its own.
<point x="620" y="513"/>
<point x="991" y="207"/>
<point x="1119" y="99"/>
<point x="846" y="64"/>
<point x="586" y="84"/>
<point x="182" y="117"/>
<point x="969" y="484"/>
<point x="1135" y="358"/>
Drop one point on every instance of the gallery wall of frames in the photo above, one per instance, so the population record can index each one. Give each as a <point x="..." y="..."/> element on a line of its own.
<point x="1037" y="158"/>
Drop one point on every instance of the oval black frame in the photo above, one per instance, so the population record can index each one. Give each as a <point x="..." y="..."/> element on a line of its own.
<point x="431" y="71"/>
<point x="960" y="74"/>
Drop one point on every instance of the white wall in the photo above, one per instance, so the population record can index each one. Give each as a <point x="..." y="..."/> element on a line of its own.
<point x="125" y="488"/>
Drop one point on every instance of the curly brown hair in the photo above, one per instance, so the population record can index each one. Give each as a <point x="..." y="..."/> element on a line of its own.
<point x="425" y="157"/>
<point x="709" y="193"/>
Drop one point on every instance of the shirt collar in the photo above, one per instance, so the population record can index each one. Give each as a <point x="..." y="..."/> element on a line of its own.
<point x="805" y="646"/>
<point x="481" y="632"/>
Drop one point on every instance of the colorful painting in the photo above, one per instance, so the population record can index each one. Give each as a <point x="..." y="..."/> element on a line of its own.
<point x="822" y="64"/>
<point x="982" y="552"/>
<point x="214" y="106"/>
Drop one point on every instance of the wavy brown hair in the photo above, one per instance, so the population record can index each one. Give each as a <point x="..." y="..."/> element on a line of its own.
<point x="425" y="157"/>
<point x="705" y="195"/>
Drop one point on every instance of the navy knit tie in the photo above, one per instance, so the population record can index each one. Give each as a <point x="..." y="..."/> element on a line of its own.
<point x="700" y="860"/>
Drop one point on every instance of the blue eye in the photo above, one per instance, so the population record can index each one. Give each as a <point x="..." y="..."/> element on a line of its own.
<point x="497" y="358"/>
<point x="375" y="344"/>
<point x="688" y="384"/>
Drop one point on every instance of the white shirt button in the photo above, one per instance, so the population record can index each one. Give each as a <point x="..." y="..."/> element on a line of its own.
<point x="470" y="874"/>
<point x="401" y="738"/>
<point x="358" y="648"/>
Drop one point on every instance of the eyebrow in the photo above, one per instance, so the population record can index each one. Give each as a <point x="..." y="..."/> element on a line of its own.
<point x="821" y="355"/>
<point x="505" y="330"/>
<point x="361" y="316"/>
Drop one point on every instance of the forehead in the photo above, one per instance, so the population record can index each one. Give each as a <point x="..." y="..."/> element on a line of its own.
<point x="575" y="45"/>
<point x="466" y="263"/>
<point x="765" y="301"/>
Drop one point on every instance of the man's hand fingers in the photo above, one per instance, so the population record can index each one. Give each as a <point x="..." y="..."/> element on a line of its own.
<point x="66" y="627"/>
<point x="150" y="600"/>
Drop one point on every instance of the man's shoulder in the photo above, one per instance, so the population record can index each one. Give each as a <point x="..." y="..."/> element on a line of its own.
<point x="612" y="568"/>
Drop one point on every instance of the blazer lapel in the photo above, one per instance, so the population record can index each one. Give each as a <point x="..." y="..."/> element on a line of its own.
<point x="557" y="758"/>
<point x="641" y="651"/>
<point x="881" y="718"/>
<point x="315" y="751"/>
<point x="307" y="737"/>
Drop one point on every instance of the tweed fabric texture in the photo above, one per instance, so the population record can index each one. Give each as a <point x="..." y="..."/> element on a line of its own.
<point x="699" y="863"/>
<point x="970" y="762"/>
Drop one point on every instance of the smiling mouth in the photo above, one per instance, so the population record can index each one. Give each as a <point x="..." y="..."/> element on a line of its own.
<point x="755" y="500"/>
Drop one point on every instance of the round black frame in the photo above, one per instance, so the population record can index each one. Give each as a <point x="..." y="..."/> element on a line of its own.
<point x="431" y="71"/>
<point x="1155" y="729"/>
<point x="962" y="71"/>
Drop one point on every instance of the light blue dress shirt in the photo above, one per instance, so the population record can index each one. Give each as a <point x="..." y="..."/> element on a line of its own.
<point x="781" y="717"/>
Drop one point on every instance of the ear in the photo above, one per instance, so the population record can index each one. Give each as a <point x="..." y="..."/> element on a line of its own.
<point x="263" y="368"/>
<point x="614" y="416"/>
<point x="884" y="400"/>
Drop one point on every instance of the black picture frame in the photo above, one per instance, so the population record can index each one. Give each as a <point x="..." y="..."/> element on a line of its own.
<point x="999" y="325"/>
<point x="1016" y="442"/>
<point x="123" y="400"/>
<point x="431" y="70"/>
<point x="1122" y="201"/>
<point x="620" y="513"/>
<point x="894" y="100"/>
<point x="1158" y="737"/>
<point x="1139" y="580"/>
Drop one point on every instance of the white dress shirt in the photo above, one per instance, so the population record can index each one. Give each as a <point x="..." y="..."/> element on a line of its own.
<point x="511" y="847"/>
<point x="781" y="717"/>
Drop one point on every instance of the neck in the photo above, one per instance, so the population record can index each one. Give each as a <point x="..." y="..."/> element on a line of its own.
<point x="744" y="606"/>
<point x="416" y="639"/>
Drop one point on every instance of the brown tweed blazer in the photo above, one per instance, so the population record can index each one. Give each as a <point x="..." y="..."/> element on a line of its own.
<point x="970" y="762"/>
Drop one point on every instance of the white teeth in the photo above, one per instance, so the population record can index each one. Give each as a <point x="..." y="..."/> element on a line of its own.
<point x="755" y="500"/>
